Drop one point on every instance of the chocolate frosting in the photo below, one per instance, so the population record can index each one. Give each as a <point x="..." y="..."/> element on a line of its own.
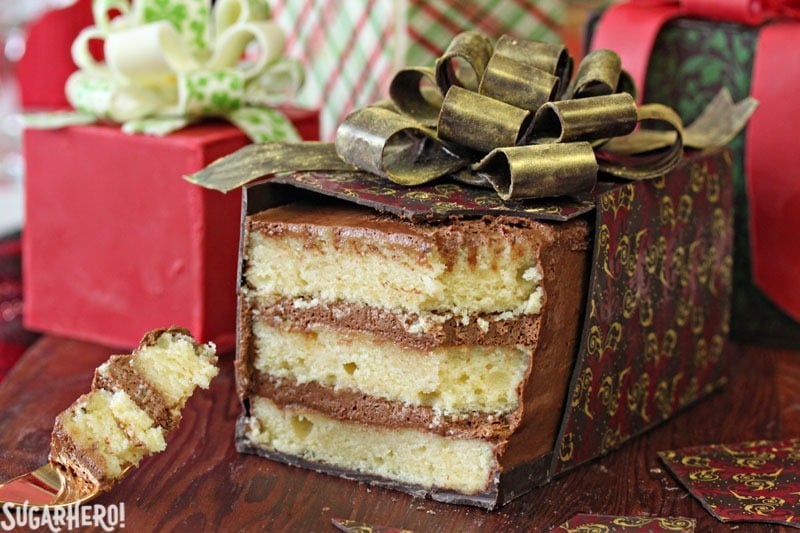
<point x="85" y="467"/>
<point x="449" y="237"/>
<point x="120" y="375"/>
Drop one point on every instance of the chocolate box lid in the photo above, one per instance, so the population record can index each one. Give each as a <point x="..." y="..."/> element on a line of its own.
<point x="432" y="201"/>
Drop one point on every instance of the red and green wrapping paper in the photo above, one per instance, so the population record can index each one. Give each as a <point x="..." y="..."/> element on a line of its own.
<point x="351" y="49"/>
<point x="682" y="53"/>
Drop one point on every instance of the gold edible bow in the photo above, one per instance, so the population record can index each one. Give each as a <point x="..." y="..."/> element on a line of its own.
<point x="502" y="116"/>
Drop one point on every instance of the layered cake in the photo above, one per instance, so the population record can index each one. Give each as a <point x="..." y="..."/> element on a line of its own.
<point x="135" y="402"/>
<point x="432" y="357"/>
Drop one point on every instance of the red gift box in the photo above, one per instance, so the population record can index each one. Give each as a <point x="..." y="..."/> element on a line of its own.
<point x="769" y="256"/>
<point x="116" y="242"/>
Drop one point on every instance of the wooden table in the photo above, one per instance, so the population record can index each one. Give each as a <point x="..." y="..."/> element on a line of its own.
<point x="201" y="484"/>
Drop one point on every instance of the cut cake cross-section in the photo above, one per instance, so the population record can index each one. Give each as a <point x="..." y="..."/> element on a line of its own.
<point x="432" y="357"/>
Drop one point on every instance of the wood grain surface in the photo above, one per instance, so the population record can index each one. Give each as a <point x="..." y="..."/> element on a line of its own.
<point x="200" y="483"/>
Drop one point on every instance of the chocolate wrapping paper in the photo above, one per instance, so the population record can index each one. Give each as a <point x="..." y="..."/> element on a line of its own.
<point x="655" y="332"/>
<point x="657" y="307"/>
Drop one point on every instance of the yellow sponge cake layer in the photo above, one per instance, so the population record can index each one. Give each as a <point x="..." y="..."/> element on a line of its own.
<point x="406" y="455"/>
<point x="462" y="267"/>
<point x="449" y="379"/>
<point x="175" y="365"/>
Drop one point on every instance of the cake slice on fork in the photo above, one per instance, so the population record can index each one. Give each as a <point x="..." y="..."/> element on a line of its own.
<point x="135" y="402"/>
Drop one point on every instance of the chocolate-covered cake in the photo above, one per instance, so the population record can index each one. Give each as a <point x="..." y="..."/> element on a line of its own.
<point x="135" y="402"/>
<point x="432" y="357"/>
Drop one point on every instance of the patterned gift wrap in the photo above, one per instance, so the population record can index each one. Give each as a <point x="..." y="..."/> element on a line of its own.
<point x="656" y="325"/>
<point x="352" y="48"/>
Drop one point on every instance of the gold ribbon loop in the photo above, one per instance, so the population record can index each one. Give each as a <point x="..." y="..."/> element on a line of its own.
<point x="540" y="171"/>
<point x="479" y="122"/>
<point x="394" y="146"/>
<point x="600" y="73"/>
<point x="509" y="81"/>
<point x="585" y="119"/>
<point x="634" y="156"/>
<point x="414" y="92"/>
<point x="464" y="61"/>
<point x="551" y="58"/>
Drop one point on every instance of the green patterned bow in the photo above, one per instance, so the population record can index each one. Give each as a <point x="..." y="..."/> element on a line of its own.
<point x="169" y="63"/>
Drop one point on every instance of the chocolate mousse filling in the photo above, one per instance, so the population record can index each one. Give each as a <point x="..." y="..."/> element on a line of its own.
<point x="118" y="374"/>
<point x="356" y="406"/>
<point x="86" y="468"/>
<point x="411" y="330"/>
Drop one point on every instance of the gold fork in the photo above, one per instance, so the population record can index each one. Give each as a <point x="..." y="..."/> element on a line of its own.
<point x="47" y="486"/>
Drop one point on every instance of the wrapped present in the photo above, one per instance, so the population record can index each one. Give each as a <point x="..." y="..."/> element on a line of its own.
<point x="648" y="339"/>
<point x="682" y="53"/>
<point x="116" y="242"/>
<point x="351" y="51"/>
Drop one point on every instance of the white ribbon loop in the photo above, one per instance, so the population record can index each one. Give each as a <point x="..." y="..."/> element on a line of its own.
<point x="235" y="41"/>
<point x="81" y="55"/>
<point x="149" y="55"/>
